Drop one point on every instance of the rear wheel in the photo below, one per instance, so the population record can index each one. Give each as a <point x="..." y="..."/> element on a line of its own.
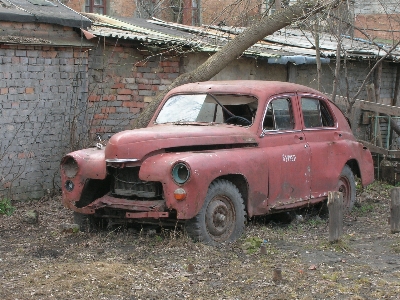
<point x="222" y="216"/>
<point x="347" y="186"/>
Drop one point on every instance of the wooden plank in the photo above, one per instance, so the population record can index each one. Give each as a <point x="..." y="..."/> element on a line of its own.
<point x="373" y="148"/>
<point x="380" y="150"/>
<point x="395" y="211"/>
<point x="377" y="82"/>
<point x="394" y="153"/>
<point x="335" y="205"/>
<point x="396" y="86"/>
<point x="378" y="107"/>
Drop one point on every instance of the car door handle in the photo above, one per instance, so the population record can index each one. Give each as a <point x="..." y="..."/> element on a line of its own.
<point x="301" y="138"/>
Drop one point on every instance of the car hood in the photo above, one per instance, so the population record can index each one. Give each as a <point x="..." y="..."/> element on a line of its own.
<point x="137" y="143"/>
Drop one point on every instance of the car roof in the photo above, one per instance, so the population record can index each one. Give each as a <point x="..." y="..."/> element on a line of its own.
<point x="257" y="87"/>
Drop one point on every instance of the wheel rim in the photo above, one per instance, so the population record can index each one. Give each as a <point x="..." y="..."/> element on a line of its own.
<point x="344" y="187"/>
<point x="220" y="218"/>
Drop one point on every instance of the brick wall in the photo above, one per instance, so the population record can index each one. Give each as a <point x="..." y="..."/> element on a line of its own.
<point x="230" y="12"/>
<point x="356" y="74"/>
<point x="382" y="26"/>
<point x="123" y="79"/>
<point x="379" y="19"/>
<point x="38" y="87"/>
<point x="122" y="8"/>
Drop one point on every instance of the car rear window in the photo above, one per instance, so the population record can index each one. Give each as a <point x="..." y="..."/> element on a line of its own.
<point x="316" y="113"/>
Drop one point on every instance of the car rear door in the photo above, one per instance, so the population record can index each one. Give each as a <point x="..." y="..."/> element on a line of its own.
<point x="321" y="133"/>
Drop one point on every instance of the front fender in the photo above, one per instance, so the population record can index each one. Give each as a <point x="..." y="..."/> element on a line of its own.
<point x="91" y="162"/>
<point x="204" y="168"/>
<point x="91" y="165"/>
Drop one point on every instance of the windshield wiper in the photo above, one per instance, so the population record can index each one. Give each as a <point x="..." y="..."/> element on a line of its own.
<point x="219" y="103"/>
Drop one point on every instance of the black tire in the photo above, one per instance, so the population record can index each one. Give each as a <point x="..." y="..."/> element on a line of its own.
<point x="222" y="216"/>
<point x="88" y="223"/>
<point x="347" y="185"/>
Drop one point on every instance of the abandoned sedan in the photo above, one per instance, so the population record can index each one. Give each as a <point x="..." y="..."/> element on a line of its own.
<point x="216" y="153"/>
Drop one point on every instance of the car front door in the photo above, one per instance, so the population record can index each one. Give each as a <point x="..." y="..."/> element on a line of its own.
<point x="286" y="152"/>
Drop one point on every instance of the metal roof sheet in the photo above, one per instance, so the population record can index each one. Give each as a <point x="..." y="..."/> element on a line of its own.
<point x="285" y="43"/>
<point x="41" y="11"/>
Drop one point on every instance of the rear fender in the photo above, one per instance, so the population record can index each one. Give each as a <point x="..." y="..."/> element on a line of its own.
<point x="365" y="164"/>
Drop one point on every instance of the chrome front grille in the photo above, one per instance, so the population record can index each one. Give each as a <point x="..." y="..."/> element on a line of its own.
<point x="128" y="184"/>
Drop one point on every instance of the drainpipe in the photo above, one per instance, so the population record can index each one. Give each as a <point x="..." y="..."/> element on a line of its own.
<point x="187" y="12"/>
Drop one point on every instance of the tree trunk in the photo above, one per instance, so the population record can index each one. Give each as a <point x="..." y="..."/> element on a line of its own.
<point x="337" y="70"/>
<point x="234" y="48"/>
<point x="317" y="54"/>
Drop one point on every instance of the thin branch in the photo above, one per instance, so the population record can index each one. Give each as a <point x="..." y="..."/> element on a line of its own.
<point x="373" y="69"/>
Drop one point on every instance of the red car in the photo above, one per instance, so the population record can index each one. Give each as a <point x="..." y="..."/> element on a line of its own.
<point x="216" y="153"/>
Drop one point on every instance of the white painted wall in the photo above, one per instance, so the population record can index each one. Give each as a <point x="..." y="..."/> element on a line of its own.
<point x="376" y="7"/>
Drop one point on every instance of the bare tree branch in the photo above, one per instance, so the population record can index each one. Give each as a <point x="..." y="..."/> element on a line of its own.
<point x="235" y="47"/>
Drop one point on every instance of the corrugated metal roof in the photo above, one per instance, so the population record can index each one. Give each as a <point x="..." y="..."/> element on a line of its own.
<point x="289" y="44"/>
<point x="40" y="11"/>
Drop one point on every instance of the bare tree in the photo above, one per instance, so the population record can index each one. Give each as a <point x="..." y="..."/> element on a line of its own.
<point x="235" y="47"/>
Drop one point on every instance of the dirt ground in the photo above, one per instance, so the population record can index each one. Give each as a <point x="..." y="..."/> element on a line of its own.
<point x="42" y="261"/>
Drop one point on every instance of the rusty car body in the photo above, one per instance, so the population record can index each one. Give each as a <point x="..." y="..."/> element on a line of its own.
<point x="216" y="153"/>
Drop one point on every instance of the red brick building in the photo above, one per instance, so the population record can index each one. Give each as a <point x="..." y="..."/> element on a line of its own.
<point x="188" y="12"/>
<point x="377" y="19"/>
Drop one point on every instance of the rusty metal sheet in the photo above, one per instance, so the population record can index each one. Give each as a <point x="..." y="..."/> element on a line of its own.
<point x="136" y="205"/>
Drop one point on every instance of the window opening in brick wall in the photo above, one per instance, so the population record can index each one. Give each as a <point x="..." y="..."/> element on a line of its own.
<point x="272" y="6"/>
<point x="95" y="6"/>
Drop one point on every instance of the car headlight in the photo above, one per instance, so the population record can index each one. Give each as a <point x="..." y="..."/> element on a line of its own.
<point x="180" y="173"/>
<point x="70" y="167"/>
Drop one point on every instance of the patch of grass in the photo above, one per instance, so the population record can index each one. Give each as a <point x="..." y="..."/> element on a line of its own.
<point x="6" y="207"/>
<point x="332" y="276"/>
<point x="252" y="244"/>
<point x="378" y="185"/>
<point x="158" y="239"/>
<point x="340" y="246"/>
<point x="396" y="248"/>
<point x="363" y="280"/>
<point x="365" y="208"/>
<point x="315" y="222"/>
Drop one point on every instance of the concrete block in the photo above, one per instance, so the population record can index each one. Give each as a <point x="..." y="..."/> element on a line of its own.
<point x="32" y="68"/>
<point x="19" y="53"/>
<point x="146" y="93"/>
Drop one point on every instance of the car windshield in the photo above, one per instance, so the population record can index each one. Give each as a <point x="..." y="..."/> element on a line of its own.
<point x="209" y="108"/>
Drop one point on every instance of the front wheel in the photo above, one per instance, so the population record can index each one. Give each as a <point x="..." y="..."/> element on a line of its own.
<point x="88" y="223"/>
<point x="222" y="216"/>
<point x="347" y="186"/>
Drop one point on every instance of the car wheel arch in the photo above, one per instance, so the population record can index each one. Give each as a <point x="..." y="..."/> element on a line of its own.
<point x="354" y="166"/>
<point x="241" y="182"/>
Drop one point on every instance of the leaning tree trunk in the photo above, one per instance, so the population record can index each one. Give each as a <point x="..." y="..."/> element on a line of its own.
<point x="235" y="47"/>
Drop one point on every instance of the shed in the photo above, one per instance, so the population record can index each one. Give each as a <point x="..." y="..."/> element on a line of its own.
<point x="43" y="77"/>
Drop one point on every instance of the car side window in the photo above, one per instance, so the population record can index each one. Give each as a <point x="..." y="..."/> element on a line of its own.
<point x="316" y="114"/>
<point x="279" y="115"/>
